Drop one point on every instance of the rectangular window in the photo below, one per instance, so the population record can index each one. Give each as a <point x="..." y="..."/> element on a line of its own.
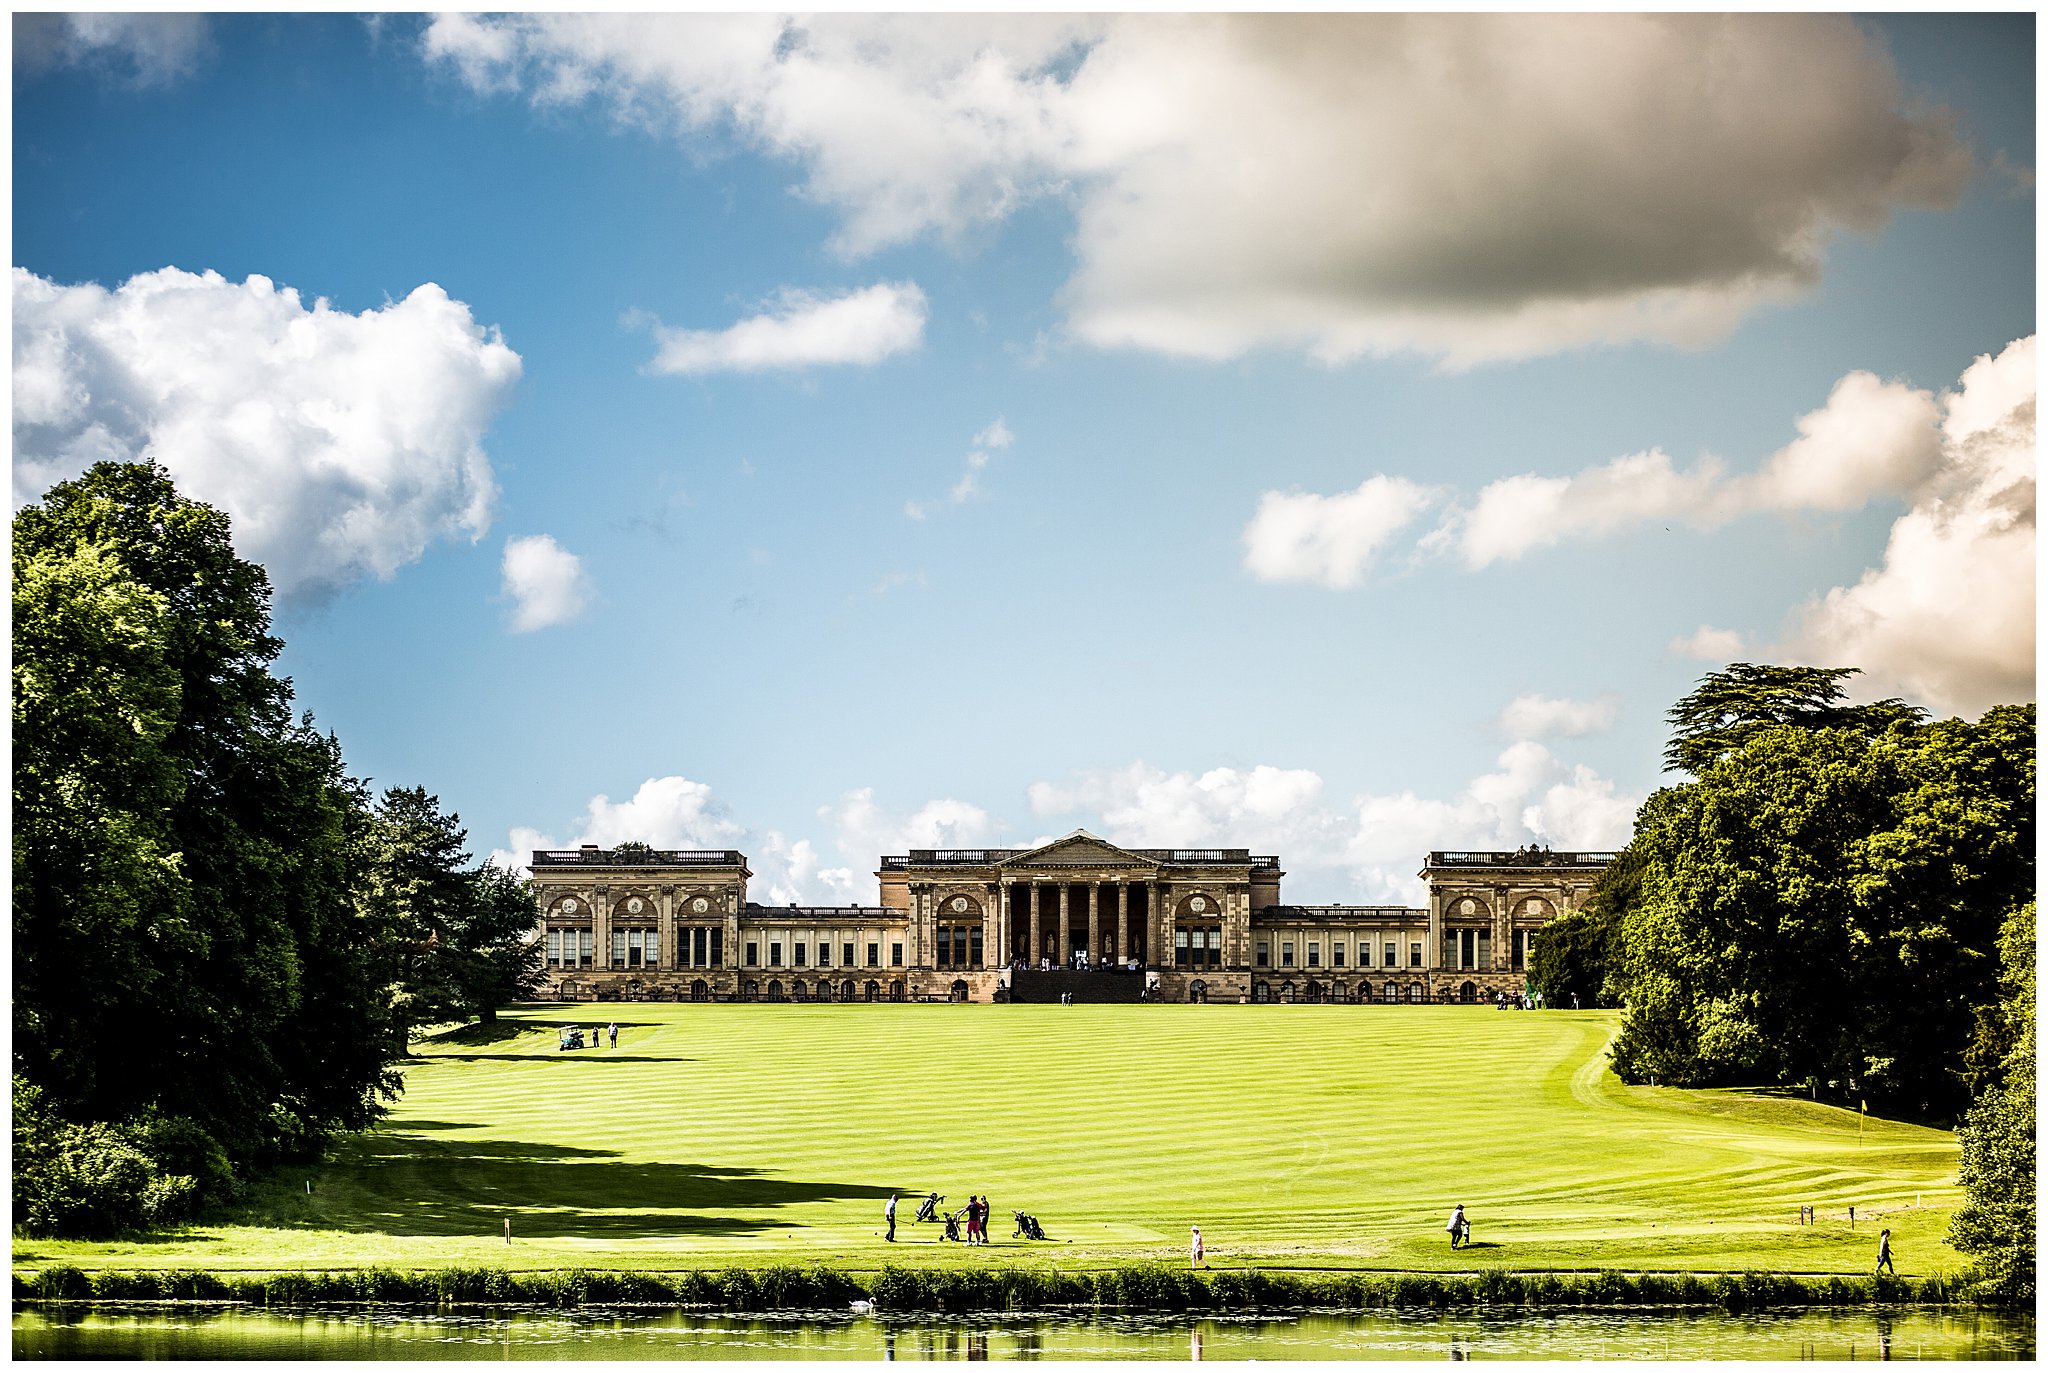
<point x="586" y="948"/>
<point x="753" y="954"/>
<point x="1484" y="958"/>
<point x="1337" y="954"/>
<point x="699" y="945"/>
<point x="1260" y="955"/>
<point x="974" y="946"/>
<point x="1216" y="947"/>
<point x="1521" y="947"/>
<point x="798" y="950"/>
<point x="1315" y="953"/>
<point x="653" y="948"/>
<point x="1393" y="959"/>
<point x="1414" y="953"/>
<point x="1450" y="949"/>
<point x="618" y="948"/>
<point x="874" y="955"/>
<point x="895" y="955"/>
<point x="554" y="948"/>
<point x="1180" y="948"/>
<point x="718" y="947"/>
<point x="846" y="955"/>
<point x="775" y="953"/>
<point x="1287" y="953"/>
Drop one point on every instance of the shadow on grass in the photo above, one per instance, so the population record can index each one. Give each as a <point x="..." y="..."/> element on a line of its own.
<point x="546" y="1055"/>
<point x="403" y="1185"/>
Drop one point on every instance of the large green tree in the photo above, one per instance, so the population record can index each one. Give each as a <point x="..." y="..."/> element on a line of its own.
<point x="1579" y="952"/>
<point x="458" y="937"/>
<point x="1821" y="906"/>
<point x="1741" y="701"/>
<point x="1996" y="1224"/>
<point x="186" y="943"/>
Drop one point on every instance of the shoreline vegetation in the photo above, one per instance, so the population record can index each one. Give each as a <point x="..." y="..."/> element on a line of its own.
<point x="1148" y="1287"/>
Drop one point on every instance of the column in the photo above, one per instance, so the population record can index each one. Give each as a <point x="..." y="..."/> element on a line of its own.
<point x="733" y="951"/>
<point x="1161" y="933"/>
<point x="992" y="942"/>
<point x="1031" y="956"/>
<point x="601" y="929"/>
<point x="1503" y="925"/>
<point x="1123" y="921"/>
<point x="1094" y="920"/>
<point x="1065" y="946"/>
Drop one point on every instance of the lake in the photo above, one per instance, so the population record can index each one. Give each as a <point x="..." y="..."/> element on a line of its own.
<point x="153" y="1331"/>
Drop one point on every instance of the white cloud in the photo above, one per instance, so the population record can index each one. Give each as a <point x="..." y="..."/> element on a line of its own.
<point x="1539" y="717"/>
<point x="341" y="444"/>
<point x="545" y="581"/>
<point x="1329" y="540"/>
<point x="1464" y="186"/>
<point x="146" y="49"/>
<point x="1948" y="617"/>
<point x="1367" y="850"/>
<point x="996" y="436"/>
<point x="803" y="329"/>
<point x="1872" y="438"/>
<point x="1710" y="645"/>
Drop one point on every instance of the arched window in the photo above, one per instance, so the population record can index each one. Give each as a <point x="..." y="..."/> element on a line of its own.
<point x="959" y="989"/>
<point x="846" y="992"/>
<point x="1261" y="993"/>
<point x="1286" y="993"/>
<point x="700" y="990"/>
<point x="796" y="989"/>
<point x="775" y="989"/>
<point x="1468" y="993"/>
<point x="1364" y="992"/>
<point x="750" y="990"/>
<point x="897" y="990"/>
<point x="1314" y="994"/>
<point x="1414" y="993"/>
<point x="1198" y="991"/>
<point x="874" y="991"/>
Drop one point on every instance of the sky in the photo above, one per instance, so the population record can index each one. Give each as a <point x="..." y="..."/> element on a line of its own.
<point x="1342" y="436"/>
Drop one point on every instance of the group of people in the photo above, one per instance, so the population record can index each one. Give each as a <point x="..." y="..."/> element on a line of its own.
<point x="975" y="1213"/>
<point x="572" y="1037"/>
<point x="1524" y="1000"/>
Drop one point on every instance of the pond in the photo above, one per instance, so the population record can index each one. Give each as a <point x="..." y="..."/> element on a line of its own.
<point x="157" y="1331"/>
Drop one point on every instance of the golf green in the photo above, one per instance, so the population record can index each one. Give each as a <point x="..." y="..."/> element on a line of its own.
<point x="1295" y="1136"/>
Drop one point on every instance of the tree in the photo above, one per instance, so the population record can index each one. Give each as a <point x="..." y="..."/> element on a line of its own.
<point x="185" y="943"/>
<point x="1996" y="1223"/>
<point x="1578" y="951"/>
<point x="1729" y="708"/>
<point x="459" y="939"/>
<point x="1821" y="907"/>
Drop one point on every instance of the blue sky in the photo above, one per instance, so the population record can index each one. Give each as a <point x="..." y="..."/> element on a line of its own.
<point x="1342" y="436"/>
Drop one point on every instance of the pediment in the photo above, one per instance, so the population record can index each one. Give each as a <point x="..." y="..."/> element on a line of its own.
<point x="1081" y="850"/>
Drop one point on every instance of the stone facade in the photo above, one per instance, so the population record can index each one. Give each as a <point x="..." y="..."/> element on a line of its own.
<point x="960" y="924"/>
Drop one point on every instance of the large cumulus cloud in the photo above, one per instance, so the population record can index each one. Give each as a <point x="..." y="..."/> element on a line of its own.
<point x="341" y="444"/>
<point x="1465" y="186"/>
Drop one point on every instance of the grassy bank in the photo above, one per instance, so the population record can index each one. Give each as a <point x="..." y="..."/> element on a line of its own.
<point x="1137" y="1287"/>
<point x="1334" y="1138"/>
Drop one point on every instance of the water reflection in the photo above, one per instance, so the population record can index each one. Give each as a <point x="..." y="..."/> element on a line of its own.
<point x="138" y="1331"/>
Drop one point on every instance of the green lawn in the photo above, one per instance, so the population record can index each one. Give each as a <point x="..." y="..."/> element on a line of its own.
<point x="1309" y="1136"/>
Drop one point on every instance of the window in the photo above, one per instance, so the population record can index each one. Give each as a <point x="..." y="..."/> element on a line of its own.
<point x="1393" y="956"/>
<point x="974" y="946"/>
<point x="798" y="950"/>
<point x="1287" y="953"/>
<point x="1484" y="958"/>
<point x="845" y="960"/>
<point x="718" y="948"/>
<point x="1521" y="947"/>
<point x="874" y="958"/>
<point x="824" y="955"/>
<point x="1261" y="955"/>
<point x="698" y="953"/>
<point x="1315" y="953"/>
<point x="1414" y="953"/>
<point x="1180" y="948"/>
<point x="775" y="953"/>
<point x="555" y="948"/>
<point x="895" y="961"/>
<point x="635" y="948"/>
<point x="753" y="954"/>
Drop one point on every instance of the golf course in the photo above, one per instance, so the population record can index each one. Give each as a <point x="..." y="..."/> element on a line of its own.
<point x="1296" y="1137"/>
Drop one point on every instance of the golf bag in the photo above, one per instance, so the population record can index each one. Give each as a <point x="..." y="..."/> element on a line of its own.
<point x="953" y="1224"/>
<point x="928" y="1209"/>
<point x="1027" y="1227"/>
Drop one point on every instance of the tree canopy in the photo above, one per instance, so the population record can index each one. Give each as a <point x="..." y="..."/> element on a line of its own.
<point x="200" y="984"/>
<point x="1730" y="707"/>
<point x="1821" y="904"/>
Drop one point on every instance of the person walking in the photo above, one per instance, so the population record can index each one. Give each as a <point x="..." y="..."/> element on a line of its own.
<point x="1195" y="1247"/>
<point x="614" y="1032"/>
<point x="889" y="1214"/>
<point x="1457" y="1224"/>
<point x="1884" y="1253"/>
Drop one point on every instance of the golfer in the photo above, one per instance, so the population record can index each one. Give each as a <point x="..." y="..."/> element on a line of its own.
<point x="1884" y="1254"/>
<point x="1195" y="1247"/>
<point x="889" y="1214"/>
<point x="1457" y="1224"/>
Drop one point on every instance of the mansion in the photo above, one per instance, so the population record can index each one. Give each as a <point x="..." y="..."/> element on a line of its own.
<point x="1079" y="916"/>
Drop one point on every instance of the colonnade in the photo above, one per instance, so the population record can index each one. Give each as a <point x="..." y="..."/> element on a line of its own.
<point x="1129" y="925"/>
